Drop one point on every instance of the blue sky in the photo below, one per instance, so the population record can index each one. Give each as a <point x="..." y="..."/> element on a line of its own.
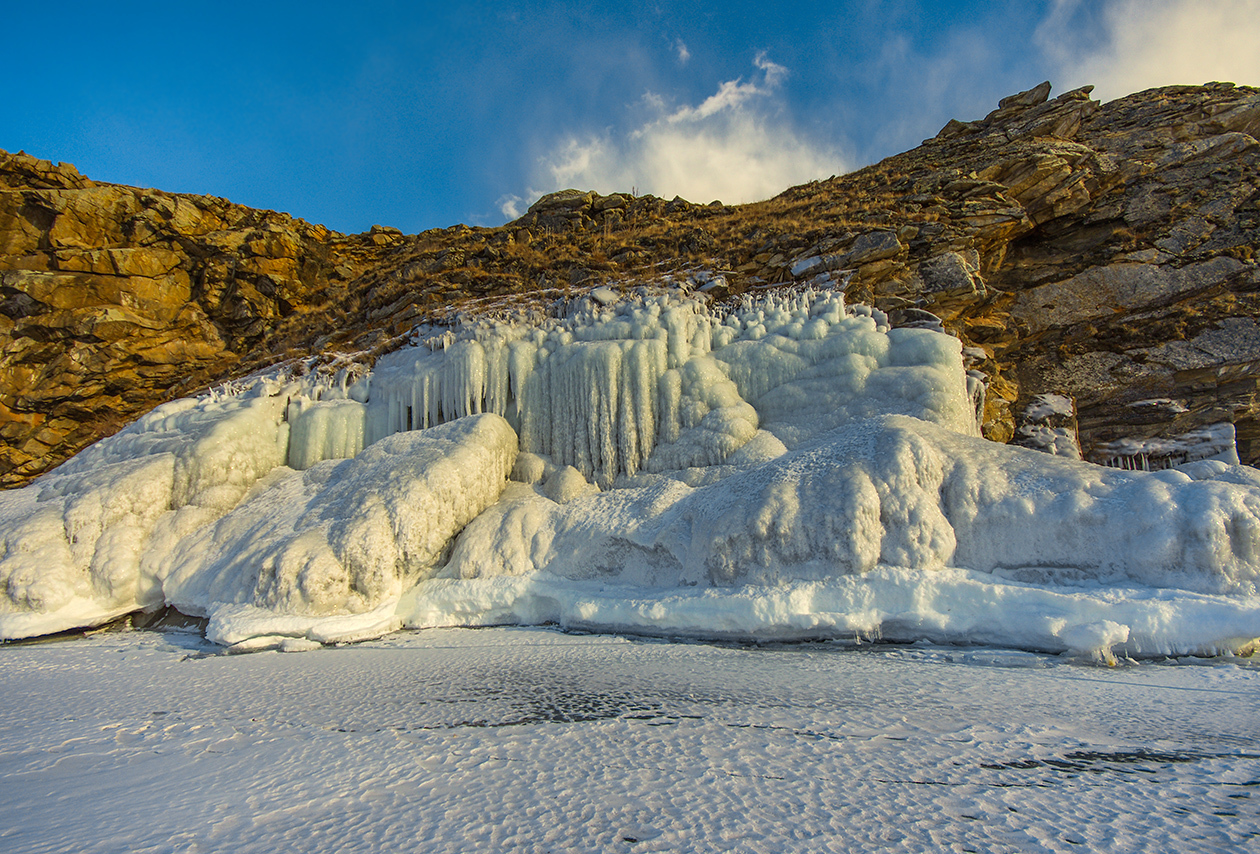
<point x="419" y="116"/>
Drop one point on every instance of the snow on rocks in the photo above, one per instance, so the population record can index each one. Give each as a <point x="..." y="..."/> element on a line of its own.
<point x="1211" y="442"/>
<point x="1049" y="425"/>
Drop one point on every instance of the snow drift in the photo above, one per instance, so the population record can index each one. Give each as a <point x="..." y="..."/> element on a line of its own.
<point x="790" y="467"/>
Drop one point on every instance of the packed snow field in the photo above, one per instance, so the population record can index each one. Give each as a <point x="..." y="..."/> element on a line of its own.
<point x="789" y="468"/>
<point x="532" y="740"/>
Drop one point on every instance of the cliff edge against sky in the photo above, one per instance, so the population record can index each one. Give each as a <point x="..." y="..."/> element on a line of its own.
<point x="1104" y="253"/>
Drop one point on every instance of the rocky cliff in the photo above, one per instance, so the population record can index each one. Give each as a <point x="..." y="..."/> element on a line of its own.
<point x="1097" y="260"/>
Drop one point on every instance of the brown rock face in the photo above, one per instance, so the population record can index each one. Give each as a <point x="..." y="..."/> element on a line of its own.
<point x="113" y="299"/>
<point x="1105" y="253"/>
<point x="1142" y="285"/>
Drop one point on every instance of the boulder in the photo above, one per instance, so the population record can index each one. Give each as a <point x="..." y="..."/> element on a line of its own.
<point x="1029" y="98"/>
<point x="563" y="200"/>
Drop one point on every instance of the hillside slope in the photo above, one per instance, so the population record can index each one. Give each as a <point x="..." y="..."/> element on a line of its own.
<point x="1105" y="253"/>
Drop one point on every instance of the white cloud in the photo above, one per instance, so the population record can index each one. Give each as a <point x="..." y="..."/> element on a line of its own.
<point x="510" y="206"/>
<point x="737" y="145"/>
<point x="1147" y="43"/>
<point x="680" y="47"/>
<point x="732" y="95"/>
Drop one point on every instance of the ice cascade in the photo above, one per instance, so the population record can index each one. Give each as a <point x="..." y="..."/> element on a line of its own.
<point x="784" y="467"/>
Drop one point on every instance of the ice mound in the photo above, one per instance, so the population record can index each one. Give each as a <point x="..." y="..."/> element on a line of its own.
<point x="345" y="536"/>
<point x="73" y="545"/>
<point x="894" y="491"/>
<point x="786" y="467"/>
<point x="888" y="527"/>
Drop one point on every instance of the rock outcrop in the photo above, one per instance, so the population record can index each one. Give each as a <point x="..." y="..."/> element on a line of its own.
<point x="1103" y="253"/>
<point x="114" y="299"/>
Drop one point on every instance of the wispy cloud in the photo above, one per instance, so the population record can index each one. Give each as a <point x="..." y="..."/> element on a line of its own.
<point x="510" y="205"/>
<point x="680" y="48"/>
<point x="1144" y="43"/>
<point x="737" y="145"/>
<point x="734" y="94"/>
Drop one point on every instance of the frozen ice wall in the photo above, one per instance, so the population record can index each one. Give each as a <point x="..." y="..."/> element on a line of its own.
<point x="665" y="383"/>
<point x="785" y="467"/>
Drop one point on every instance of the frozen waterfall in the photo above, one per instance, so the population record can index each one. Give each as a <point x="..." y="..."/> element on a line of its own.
<point x="667" y="384"/>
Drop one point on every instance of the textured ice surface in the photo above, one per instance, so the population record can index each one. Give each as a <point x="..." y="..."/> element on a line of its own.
<point x="345" y="536"/>
<point x="782" y="468"/>
<point x="895" y="491"/>
<point x="527" y="740"/>
<point x="75" y="545"/>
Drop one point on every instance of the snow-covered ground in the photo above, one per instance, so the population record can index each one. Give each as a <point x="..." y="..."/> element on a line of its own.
<point x="533" y="740"/>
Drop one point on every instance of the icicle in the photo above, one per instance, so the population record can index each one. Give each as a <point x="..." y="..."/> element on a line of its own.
<point x="604" y="388"/>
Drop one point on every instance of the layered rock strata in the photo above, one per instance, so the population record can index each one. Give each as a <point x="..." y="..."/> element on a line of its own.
<point x="114" y="299"/>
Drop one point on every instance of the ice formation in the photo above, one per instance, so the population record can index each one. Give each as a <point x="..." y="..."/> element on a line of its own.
<point x="787" y="467"/>
<point x="345" y="536"/>
<point x="1213" y="442"/>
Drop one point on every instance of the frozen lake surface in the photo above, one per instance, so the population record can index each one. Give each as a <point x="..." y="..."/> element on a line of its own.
<point x="534" y="740"/>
